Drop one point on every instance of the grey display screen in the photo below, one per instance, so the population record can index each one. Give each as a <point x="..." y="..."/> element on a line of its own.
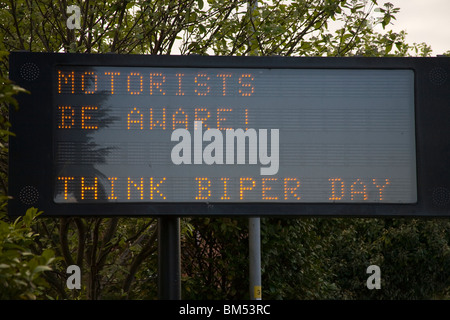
<point x="144" y="134"/>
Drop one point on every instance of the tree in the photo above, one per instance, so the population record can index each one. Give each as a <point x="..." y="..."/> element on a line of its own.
<point x="116" y="254"/>
<point x="21" y="269"/>
<point x="413" y="255"/>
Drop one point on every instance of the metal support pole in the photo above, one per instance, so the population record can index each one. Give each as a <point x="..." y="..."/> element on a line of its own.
<point x="254" y="224"/>
<point x="169" y="261"/>
<point x="254" y="236"/>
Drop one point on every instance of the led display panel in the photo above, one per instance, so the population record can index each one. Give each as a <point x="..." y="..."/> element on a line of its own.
<point x="146" y="135"/>
<point x="130" y="134"/>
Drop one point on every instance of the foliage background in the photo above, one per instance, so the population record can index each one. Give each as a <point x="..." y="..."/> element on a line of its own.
<point x="302" y="258"/>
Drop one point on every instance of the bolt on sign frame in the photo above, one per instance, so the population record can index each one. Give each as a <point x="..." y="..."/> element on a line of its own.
<point x="131" y="135"/>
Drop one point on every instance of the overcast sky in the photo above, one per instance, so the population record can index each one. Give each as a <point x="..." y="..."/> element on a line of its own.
<point x="425" y="21"/>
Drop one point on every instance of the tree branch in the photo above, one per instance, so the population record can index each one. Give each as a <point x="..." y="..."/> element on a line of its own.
<point x="146" y="251"/>
<point x="63" y="229"/>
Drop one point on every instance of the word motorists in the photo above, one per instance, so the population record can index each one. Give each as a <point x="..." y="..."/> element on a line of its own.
<point x="199" y="84"/>
<point x="213" y="153"/>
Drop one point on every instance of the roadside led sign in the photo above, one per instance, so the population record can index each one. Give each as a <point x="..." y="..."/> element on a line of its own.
<point x="137" y="135"/>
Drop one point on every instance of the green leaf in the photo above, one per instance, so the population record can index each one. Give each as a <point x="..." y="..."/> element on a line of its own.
<point x="41" y="268"/>
<point x="388" y="48"/>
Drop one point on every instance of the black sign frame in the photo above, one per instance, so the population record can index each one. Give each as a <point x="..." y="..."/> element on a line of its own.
<point x="31" y="149"/>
